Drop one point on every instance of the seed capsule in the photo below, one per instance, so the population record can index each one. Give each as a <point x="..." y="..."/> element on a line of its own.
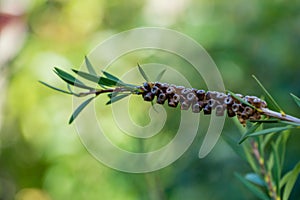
<point x="207" y="110"/>
<point x="230" y="112"/>
<point x="190" y="96"/>
<point x="211" y="103"/>
<point x="235" y="107"/>
<point x="146" y="86"/>
<point x="196" y="108"/>
<point x="161" y="98"/>
<point x="173" y="101"/>
<point x="228" y="100"/>
<point x="200" y="94"/>
<point x="185" y="91"/>
<point x="155" y="90"/>
<point x="176" y="98"/>
<point x="219" y="110"/>
<point x="220" y="95"/>
<point x="185" y="105"/>
<point x="170" y="90"/>
<point x="248" y="110"/>
<point x="149" y="96"/>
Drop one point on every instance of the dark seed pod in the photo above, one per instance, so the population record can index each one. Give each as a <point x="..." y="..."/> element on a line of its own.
<point x="196" y="108"/>
<point x="219" y="110"/>
<point x="179" y="88"/>
<point x="164" y="86"/>
<point x="155" y="90"/>
<point x="228" y="100"/>
<point x="230" y="112"/>
<point x="220" y="96"/>
<point x="207" y="110"/>
<point x="161" y="98"/>
<point x="157" y="84"/>
<point x="176" y="98"/>
<point x="235" y="107"/>
<point x="149" y="96"/>
<point x="190" y="96"/>
<point x="200" y="94"/>
<point x="147" y="87"/>
<point x="248" y="110"/>
<point x="212" y="103"/>
<point x="185" y="105"/>
<point x="185" y="91"/>
<point x="170" y="90"/>
<point x="210" y="95"/>
<point x="172" y="103"/>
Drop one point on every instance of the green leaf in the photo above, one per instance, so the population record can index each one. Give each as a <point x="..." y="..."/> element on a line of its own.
<point x="289" y="181"/>
<point x="269" y="130"/>
<point x="296" y="99"/>
<point x="116" y="98"/>
<point x="87" y="76"/>
<point x="234" y="146"/>
<point x="54" y="88"/>
<point x="89" y="66"/>
<point x="111" y="77"/>
<point x="241" y="100"/>
<point x="249" y="131"/>
<point x="254" y="189"/>
<point x="290" y="123"/>
<point x="268" y="94"/>
<point x="281" y="142"/>
<point x="159" y="76"/>
<point x="143" y="73"/>
<point x="106" y="82"/>
<point x="255" y="178"/>
<point x="79" y="109"/>
<point x="70" y="79"/>
<point x="277" y="167"/>
<point x="265" y="120"/>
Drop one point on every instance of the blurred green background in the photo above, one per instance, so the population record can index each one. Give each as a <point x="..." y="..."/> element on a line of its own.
<point x="41" y="156"/>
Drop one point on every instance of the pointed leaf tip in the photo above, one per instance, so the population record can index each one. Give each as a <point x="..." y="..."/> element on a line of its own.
<point x="160" y="75"/>
<point x="79" y="109"/>
<point x="89" y="66"/>
<point x="296" y="99"/>
<point x="143" y="73"/>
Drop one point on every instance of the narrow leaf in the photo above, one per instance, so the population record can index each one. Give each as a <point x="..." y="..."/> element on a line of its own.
<point x="255" y="178"/>
<point x="241" y="100"/>
<point x="234" y="146"/>
<point x="277" y="167"/>
<point x="266" y="120"/>
<point x="111" y="77"/>
<point x="71" y="79"/>
<point x="296" y="99"/>
<point x="290" y="123"/>
<point x="269" y="130"/>
<point x="254" y="189"/>
<point x="54" y="88"/>
<point x="106" y="82"/>
<point x="290" y="179"/>
<point x="87" y="76"/>
<point x="249" y="131"/>
<point x="143" y="73"/>
<point x="160" y="75"/>
<point x="79" y="109"/>
<point x="89" y="66"/>
<point x="116" y="98"/>
<point x="268" y="95"/>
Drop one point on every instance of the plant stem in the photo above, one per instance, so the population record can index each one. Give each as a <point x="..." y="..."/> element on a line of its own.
<point x="266" y="175"/>
<point x="278" y="115"/>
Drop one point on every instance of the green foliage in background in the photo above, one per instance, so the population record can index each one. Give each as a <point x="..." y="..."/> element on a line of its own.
<point x="42" y="157"/>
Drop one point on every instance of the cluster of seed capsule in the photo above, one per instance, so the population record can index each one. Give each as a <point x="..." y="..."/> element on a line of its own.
<point x="207" y="101"/>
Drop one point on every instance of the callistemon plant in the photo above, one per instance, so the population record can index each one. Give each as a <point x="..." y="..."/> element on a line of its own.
<point x="243" y="107"/>
<point x="266" y="181"/>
